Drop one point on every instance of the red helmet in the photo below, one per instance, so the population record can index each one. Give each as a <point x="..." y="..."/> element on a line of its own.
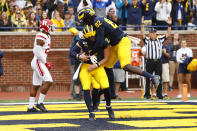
<point x="47" y="25"/>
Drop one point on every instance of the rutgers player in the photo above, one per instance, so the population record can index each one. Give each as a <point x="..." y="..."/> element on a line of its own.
<point x="40" y="66"/>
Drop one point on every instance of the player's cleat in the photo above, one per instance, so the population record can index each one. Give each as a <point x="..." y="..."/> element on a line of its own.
<point x="166" y="97"/>
<point x="92" y="117"/>
<point x="155" y="81"/>
<point x="153" y="97"/>
<point x="110" y="112"/>
<point x="32" y="110"/>
<point x="41" y="107"/>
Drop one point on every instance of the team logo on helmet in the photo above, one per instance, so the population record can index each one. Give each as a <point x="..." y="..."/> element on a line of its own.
<point x="86" y="15"/>
<point x="47" y="25"/>
<point x="88" y="31"/>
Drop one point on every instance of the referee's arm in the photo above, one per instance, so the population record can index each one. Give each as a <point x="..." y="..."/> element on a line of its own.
<point x="169" y="21"/>
<point x="142" y="28"/>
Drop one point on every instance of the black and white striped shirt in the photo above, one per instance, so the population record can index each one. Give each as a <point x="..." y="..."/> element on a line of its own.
<point x="154" y="47"/>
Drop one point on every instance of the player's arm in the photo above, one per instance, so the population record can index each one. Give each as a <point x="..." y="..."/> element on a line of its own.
<point x="75" y="52"/>
<point x="39" y="51"/>
<point x="106" y="56"/>
<point x="169" y="21"/>
<point x="142" y="28"/>
<point x="101" y="62"/>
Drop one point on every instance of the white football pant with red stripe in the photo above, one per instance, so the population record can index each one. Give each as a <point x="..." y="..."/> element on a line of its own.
<point x="40" y="73"/>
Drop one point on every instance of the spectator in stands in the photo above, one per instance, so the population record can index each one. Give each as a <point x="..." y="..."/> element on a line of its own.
<point x="113" y="6"/>
<point x="67" y="3"/>
<point x="68" y="22"/>
<point x="51" y="5"/>
<point x="174" y="46"/>
<point x="195" y="12"/>
<point x="178" y="14"/>
<point x="100" y="6"/>
<point x="147" y="11"/>
<point x="166" y="54"/>
<point x="31" y="22"/>
<point x="134" y="15"/>
<point x="60" y="9"/>
<point x="38" y="13"/>
<point x="122" y="6"/>
<point x="19" y="21"/>
<point x="190" y="20"/>
<point x="83" y="4"/>
<point x="190" y="25"/>
<point x="71" y="11"/>
<point x="44" y="15"/>
<point x="163" y="10"/>
<point x="58" y="21"/>
<point x="5" y="22"/>
<point x="20" y="3"/>
<point x="119" y="77"/>
<point x="183" y="73"/>
<point x="30" y="7"/>
<point x="112" y="16"/>
<point x="4" y="6"/>
<point x="75" y="5"/>
<point x="1" y="66"/>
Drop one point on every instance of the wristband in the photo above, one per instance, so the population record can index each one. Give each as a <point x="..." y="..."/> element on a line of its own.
<point x="78" y="57"/>
<point x="97" y="64"/>
<point x="169" y="25"/>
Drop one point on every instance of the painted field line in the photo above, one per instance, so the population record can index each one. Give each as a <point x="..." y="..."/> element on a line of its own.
<point x="82" y="102"/>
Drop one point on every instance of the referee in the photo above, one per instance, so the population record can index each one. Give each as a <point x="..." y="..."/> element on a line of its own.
<point x="153" y="46"/>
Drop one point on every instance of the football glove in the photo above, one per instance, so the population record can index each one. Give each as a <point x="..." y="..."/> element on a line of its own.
<point x="93" y="59"/>
<point x="48" y="65"/>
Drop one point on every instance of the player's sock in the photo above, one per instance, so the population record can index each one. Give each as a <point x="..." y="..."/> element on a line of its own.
<point x="31" y="102"/>
<point x="88" y="100"/>
<point x="107" y="96"/>
<point x="146" y="74"/>
<point x="41" y="98"/>
<point x="95" y="96"/>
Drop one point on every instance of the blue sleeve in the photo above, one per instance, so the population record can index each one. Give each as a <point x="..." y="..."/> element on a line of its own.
<point x="108" y="3"/>
<point x="94" y="3"/>
<point x="1" y="54"/>
<point x="119" y="4"/>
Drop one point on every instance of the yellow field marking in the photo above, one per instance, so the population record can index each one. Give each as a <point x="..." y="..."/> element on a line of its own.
<point x="158" y="123"/>
<point x="24" y="127"/>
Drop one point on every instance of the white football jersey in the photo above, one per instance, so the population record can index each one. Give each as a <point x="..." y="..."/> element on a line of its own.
<point x="44" y="50"/>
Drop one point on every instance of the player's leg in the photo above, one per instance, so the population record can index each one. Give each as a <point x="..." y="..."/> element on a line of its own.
<point x="47" y="78"/>
<point x="95" y="95"/>
<point x="85" y="78"/>
<point x="101" y="77"/>
<point x="37" y="82"/>
<point x="110" y="75"/>
<point x="124" y="56"/>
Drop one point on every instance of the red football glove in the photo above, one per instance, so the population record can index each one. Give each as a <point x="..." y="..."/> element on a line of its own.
<point x="48" y="65"/>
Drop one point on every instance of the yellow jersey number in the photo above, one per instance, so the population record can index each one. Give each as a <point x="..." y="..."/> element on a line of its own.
<point x="111" y="23"/>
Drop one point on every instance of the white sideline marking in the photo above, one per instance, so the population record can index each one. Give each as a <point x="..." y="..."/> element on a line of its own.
<point x="82" y="102"/>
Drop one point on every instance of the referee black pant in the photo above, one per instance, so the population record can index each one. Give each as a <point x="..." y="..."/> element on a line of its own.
<point x="153" y="66"/>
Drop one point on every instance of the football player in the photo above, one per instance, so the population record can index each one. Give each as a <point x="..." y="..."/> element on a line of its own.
<point x="92" y="69"/>
<point x="119" y="41"/>
<point x="40" y="66"/>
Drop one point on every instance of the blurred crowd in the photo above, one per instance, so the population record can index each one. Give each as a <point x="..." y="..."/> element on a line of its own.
<point x="26" y="14"/>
